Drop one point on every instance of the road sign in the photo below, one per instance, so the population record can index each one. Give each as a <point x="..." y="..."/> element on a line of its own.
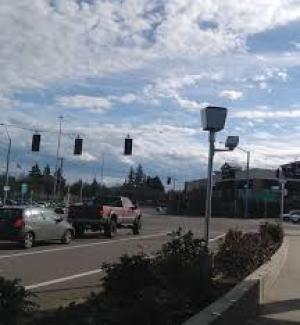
<point x="24" y="188"/>
<point x="6" y="188"/>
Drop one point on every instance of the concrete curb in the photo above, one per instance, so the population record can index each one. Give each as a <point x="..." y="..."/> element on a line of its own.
<point x="243" y="300"/>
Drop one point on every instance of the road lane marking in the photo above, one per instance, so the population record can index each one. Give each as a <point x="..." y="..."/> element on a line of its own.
<point x="218" y="237"/>
<point x="84" y="274"/>
<point x="84" y="245"/>
<point x="64" y="279"/>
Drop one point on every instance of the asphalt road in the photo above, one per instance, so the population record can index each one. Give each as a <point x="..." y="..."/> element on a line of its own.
<point x="59" y="274"/>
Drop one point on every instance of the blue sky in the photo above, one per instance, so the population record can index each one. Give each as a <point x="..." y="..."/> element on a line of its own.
<point x="147" y="67"/>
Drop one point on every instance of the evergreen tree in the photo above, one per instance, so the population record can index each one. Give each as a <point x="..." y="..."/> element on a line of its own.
<point x="35" y="171"/>
<point x="140" y="177"/>
<point x="47" y="171"/>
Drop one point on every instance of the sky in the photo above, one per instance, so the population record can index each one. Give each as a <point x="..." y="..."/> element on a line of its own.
<point x="146" y="68"/>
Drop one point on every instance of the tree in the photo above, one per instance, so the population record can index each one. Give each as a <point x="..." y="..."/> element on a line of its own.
<point x="35" y="171"/>
<point x="47" y="171"/>
<point x="140" y="177"/>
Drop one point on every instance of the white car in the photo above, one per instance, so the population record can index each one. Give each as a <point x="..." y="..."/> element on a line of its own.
<point x="293" y="216"/>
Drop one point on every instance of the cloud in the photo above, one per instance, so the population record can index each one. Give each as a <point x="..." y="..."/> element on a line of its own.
<point x="67" y="39"/>
<point x="231" y="94"/>
<point x="272" y="114"/>
<point x="89" y="102"/>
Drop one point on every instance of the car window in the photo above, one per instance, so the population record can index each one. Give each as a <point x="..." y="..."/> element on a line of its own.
<point x="10" y="214"/>
<point x="49" y="215"/>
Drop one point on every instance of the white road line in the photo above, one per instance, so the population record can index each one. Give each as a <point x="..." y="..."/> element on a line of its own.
<point x="217" y="238"/>
<point x="59" y="280"/>
<point x="81" y="275"/>
<point x="84" y="245"/>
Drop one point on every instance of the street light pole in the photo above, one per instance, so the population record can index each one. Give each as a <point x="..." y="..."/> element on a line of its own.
<point x="212" y="137"/>
<point x="7" y="166"/>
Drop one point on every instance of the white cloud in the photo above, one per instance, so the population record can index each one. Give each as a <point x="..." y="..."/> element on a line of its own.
<point x="47" y="41"/>
<point x="89" y="102"/>
<point x="273" y="114"/>
<point x="231" y="94"/>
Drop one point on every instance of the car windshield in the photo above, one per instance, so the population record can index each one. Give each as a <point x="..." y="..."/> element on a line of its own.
<point x="109" y="200"/>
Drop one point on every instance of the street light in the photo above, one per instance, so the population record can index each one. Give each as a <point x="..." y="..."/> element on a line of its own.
<point x="213" y="120"/>
<point x="246" y="212"/>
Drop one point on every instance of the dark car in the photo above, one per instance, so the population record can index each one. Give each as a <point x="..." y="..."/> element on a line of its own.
<point x="27" y="225"/>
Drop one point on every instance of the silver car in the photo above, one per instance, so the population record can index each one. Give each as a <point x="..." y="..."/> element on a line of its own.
<point x="28" y="225"/>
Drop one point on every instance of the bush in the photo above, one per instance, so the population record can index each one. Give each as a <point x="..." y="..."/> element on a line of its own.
<point x="15" y="302"/>
<point x="162" y="290"/>
<point x="272" y="232"/>
<point x="242" y="253"/>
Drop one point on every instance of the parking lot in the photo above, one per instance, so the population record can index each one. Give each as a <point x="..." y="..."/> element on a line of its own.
<point x="59" y="274"/>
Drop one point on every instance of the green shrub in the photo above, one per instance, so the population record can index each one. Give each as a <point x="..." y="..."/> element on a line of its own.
<point x="272" y="231"/>
<point x="242" y="253"/>
<point x="163" y="290"/>
<point x="15" y="302"/>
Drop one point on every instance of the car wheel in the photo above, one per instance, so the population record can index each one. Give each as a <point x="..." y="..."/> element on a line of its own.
<point x="28" y="240"/>
<point x="110" y="229"/>
<point x="137" y="225"/>
<point x="67" y="237"/>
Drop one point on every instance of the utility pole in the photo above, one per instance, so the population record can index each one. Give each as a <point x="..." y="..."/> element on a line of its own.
<point x="60" y="176"/>
<point x="81" y="188"/>
<point x="102" y="169"/>
<point x="57" y="156"/>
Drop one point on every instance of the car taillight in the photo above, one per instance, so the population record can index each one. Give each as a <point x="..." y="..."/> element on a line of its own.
<point x="19" y="223"/>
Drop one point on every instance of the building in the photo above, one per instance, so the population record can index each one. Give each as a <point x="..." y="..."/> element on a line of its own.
<point x="230" y="188"/>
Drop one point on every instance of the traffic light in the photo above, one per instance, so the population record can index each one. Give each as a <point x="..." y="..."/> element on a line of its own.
<point x="128" y="146"/>
<point x="169" y="180"/>
<point x="35" y="145"/>
<point x="277" y="173"/>
<point x="78" y="146"/>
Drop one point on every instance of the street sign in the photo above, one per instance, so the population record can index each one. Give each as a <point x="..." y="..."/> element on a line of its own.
<point x="24" y="188"/>
<point x="6" y="188"/>
<point x="275" y="188"/>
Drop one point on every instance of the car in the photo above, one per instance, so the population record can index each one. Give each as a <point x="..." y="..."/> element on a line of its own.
<point x="29" y="225"/>
<point x="293" y="216"/>
<point x="105" y="213"/>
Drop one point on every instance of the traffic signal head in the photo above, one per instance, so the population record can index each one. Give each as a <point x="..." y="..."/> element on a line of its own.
<point x="128" y="146"/>
<point x="169" y="180"/>
<point x="35" y="145"/>
<point x="78" y="146"/>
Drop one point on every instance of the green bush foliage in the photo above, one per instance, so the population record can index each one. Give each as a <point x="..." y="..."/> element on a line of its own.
<point x="242" y="253"/>
<point x="162" y="290"/>
<point x="15" y="302"/>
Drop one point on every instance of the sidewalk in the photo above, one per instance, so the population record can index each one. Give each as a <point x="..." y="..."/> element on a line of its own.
<point x="282" y="306"/>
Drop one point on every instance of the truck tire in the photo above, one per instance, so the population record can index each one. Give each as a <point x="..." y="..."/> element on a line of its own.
<point x="137" y="225"/>
<point x="110" y="229"/>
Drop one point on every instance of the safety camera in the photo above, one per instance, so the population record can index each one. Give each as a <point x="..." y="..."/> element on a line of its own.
<point x="213" y="118"/>
<point x="232" y="142"/>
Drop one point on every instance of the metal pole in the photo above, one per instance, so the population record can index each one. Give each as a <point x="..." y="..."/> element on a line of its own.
<point x="247" y="186"/>
<point x="57" y="155"/>
<point x="60" y="176"/>
<point x="81" y="185"/>
<point x="7" y="165"/>
<point x="212" y="135"/>
<point x="102" y="169"/>
<point x="282" y="200"/>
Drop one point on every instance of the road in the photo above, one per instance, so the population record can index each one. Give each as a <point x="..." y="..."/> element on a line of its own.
<point x="59" y="274"/>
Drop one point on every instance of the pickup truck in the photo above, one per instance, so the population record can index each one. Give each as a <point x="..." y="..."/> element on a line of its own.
<point x="105" y="213"/>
